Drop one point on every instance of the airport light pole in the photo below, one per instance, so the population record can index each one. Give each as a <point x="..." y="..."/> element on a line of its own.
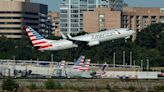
<point x="134" y="63"/>
<point x="14" y="58"/>
<point x="13" y="65"/>
<point x="130" y="59"/>
<point x="141" y="65"/>
<point x="52" y="57"/>
<point x="147" y="64"/>
<point x="124" y="58"/>
<point x="114" y="59"/>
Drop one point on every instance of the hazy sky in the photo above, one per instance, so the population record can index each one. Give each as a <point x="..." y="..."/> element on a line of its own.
<point x="54" y="4"/>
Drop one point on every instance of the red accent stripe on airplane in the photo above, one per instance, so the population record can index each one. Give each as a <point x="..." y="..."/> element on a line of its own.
<point x="84" y="68"/>
<point x="28" y="31"/>
<point x="33" y="39"/>
<point x="39" y="42"/>
<point x="31" y="35"/>
<point x="46" y="46"/>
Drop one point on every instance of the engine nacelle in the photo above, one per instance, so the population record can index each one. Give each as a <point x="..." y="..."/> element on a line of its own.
<point x="93" y="43"/>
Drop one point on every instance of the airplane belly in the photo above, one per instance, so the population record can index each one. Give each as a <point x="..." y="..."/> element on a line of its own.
<point x="113" y="37"/>
<point x="63" y="45"/>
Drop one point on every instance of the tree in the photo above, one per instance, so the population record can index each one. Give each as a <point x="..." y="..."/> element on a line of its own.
<point x="9" y="84"/>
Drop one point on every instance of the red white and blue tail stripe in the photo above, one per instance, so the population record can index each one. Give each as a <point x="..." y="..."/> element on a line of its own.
<point x="79" y="62"/>
<point x="86" y="65"/>
<point x="61" y="65"/>
<point x="36" y="39"/>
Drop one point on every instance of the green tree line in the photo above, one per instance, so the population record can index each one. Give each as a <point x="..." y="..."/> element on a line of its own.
<point x="148" y="45"/>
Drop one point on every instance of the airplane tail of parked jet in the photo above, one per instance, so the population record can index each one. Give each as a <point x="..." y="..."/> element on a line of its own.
<point x="86" y="65"/>
<point x="38" y="41"/>
<point x="79" y="62"/>
<point x="61" y="65"/>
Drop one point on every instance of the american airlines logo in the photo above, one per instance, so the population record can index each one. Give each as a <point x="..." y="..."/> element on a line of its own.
<point x="104" y="35"/>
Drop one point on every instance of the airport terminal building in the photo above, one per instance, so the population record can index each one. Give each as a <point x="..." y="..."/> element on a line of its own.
<point x="15" y="14"/>
<point x="71" y="12"/>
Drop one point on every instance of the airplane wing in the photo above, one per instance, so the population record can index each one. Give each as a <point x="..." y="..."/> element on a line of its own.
<point x="81" y="40"/>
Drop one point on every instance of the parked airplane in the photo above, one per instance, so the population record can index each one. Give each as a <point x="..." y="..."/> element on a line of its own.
<point x="85" y="66"/>
<point x="60" y="69"/>
<point x="42" y="44"/>
<point x="61" y="65"/>
<point x="81" y="65"/>
<point x="95" y="38"/>
<point x="79" y="62"/>
<point x="80" y="68"/>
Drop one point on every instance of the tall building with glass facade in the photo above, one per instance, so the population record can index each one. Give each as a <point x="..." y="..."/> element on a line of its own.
<point x="71" y="12"/>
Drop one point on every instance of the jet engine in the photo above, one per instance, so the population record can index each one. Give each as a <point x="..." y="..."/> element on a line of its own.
<point x="93" y="43"/>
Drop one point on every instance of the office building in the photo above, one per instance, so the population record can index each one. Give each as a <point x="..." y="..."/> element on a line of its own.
<point x="71" y="12"/>
<point x="101" y="19"/>
<point x="137" y="18"/>
<point x="15" y="14"/>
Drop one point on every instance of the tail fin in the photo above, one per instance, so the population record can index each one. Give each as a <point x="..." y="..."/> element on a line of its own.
<point x="86" y="65"/>
<point x="79" y="62"/>
<point x="88" y="62"/>
<point x="37" y="40"/>
<point x="61" y="64"/>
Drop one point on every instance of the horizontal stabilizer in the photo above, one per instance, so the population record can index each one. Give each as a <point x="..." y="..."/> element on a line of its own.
<point x="63" y="36"/>
<point x="69" y="36"/>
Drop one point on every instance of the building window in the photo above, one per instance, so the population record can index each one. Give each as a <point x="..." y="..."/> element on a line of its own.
<point x="10" y="28"/>
<point x="145" y="21"/>
<point x="153" y="19"/>
<point x="162" y="19"/>
<point x="31" y="13"/>
<point x="10" y="23"/>
<point x="162" y="10"/>
<point x="102" y="22"/>
<point x="10" y="12"/>
<point x="10" y="17"/>
<point x="91" y="1"/>
<point x="74" y="1"/>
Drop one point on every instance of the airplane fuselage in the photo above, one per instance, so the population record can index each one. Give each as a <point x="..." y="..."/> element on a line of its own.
<point x="96" y="38"/>
<point x="60" y="45"/>
<point x="105" y="35"/>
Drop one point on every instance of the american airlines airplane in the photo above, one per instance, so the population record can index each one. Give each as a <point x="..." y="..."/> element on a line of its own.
<point x="79" y="62"/>
<point x="92" y="39"/>
<point x="95" y="38"/>
<point x="43" y="44"/>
